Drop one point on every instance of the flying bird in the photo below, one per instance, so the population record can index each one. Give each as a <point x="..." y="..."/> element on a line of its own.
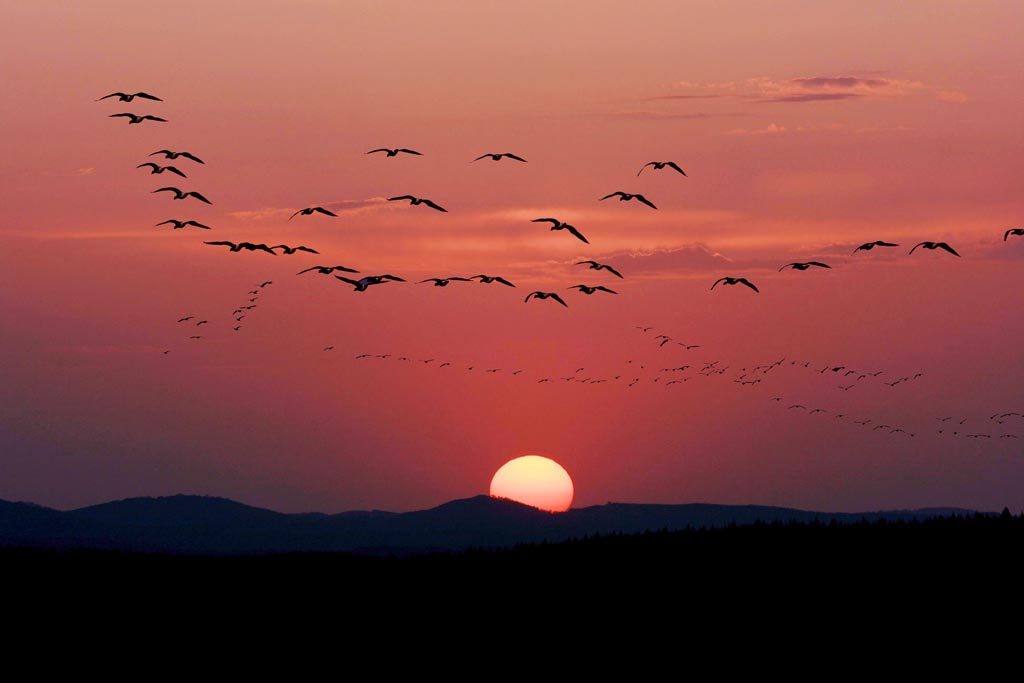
<point x="327" y="270"/>
<point x="128" y="97"/>
<point x="935" y="245"/>
<point x="590" y="290"/>
<point x="559" y="225"/>
<point x="658" y="165"/>
<point x="735" y="281"/>
<point x="546" y="295"/>
<point x="178" y="194"/>
<point x="804" y="266"/>
<point x="157" y="168"/>
<point x="187" y="317"/>
<point x="291" y="250"/>
<point x="868" y="246"/>
<point x="1013" y="231"/>
<point x="497" y="157"/>
<point x="264" y="284"/>
<point x="416" y="200"/>
<point x="168" y="154"/>
<point x="135" y="118"/>
<point x="249" y="246"/>
<point x="443" y="281"/>
<point x="182" y="224"/>
<point x="394" y="152"/>
<point x="361" y="284"/>
<point x="488" y="279"/>
<point x="625" y="197"/>
<point x="309" y="211"/>
<point x="594" y="265"/>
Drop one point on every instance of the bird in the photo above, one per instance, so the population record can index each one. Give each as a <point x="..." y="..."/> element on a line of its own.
<point x="196" y="336"/>
<point x="590" y="290"/>
<point x="658" y="165"/>
<point x="327" y="270"/>
<point x="625" y="197"/>
<point x="935" y="245"/>
<point x="128" y="97"/>
<point x="497" y="157"/>
<point x="160" y="169"/>
<point x="202" y="322"/>
<point x="178" y="194"/>
<point x="735" y="281"/>
<point x="135" y="118"/>
<point x="868" y="246"/>
<point x="265" y="283"/>
<point x="182" y="224"/>
<point x="187" y="317"/>
<point x="416" y="200"/>
<point x="443" y="281"/>
<point x="394" y="152"/>
<point x="559" y="225"/>
<point x="291" y="250"/>
<point x="488" y="279"/>
<point x="546" y="295"/>
<point x="594" y="265"/>
<point x="249" y="246"/>
<point x="168" y="154"/>
<point x="309" y="211"/>
<point x="365" y="282"/>
<point x="1013" y="231"/>
<point x="804" y="266"/>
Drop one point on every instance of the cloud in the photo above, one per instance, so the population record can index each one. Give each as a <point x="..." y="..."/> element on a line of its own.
<point x="762" y="89"/>
<point x="668" y="115"/>
<point x="811" y="97"/>
<point x="840" y="82"/>
<point x="771" y="129"/>
<point x="338" y="206"/>
<point x="709" y="96"/>
<point x="674" y="260"/>
<point x="954" y="96"/>
<point x="81" y="172"/>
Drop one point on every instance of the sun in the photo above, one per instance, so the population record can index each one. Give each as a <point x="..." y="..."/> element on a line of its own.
<point x="534" y="480"/>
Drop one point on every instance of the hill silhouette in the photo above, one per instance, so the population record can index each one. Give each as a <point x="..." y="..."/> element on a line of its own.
<point x="189" y="524"/>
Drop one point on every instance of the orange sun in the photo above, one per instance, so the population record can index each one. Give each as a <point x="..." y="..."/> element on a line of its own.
<point x="533" y="480"/>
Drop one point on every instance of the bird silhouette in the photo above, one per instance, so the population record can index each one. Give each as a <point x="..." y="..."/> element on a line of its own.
<point x="187" y="317"/>
<point x="178" y="194"/>
<point x="416" y="200"/>
<point x="590" y="290"/>
<point x="804" y="266"/>
<point x="559" y="225"/>
<point x="249" y="246"/>
<point x="658" y="165"/>
<point x="327" y="270"/>
<point x="497" y="157"/>
<point x="625" y="197"/>
<point x="168" y="154"/>
<point x="1013" y="231"/>
<point x="594" y="265"/>
<point x="935" y="245"/>
<point x="157" y="168"/>
<point x="443" y="281"/>
<point x="265" y="283"/>
<point x="868" y="246"/>
<point x="309" y="211"/>
<point x="361" y="284"/>
<point x="735" y="281"/>
<point x="128" y="97"/>
<point x="291" y="250"/>
<point x="546" y="295"/>
<point x="182" y="224"/>
<point x="394" y="152"/>
<point x="488" y="279"/>
<point x="135" y="118"/>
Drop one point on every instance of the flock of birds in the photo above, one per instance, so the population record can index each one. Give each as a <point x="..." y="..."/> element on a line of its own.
<point x="633" y="372"/>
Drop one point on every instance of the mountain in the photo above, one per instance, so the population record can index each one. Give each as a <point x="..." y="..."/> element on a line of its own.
<point x="211" y="525"/>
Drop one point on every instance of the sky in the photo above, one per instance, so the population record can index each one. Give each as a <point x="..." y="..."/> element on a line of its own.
<point x="805" y="129"/>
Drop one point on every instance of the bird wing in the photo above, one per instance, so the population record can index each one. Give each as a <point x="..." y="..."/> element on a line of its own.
<point x="199" y="197"/>
<point x="513" y="156"/>
<point x="593" y="263"/>
<point x="113" y="94"/>
<point x="553" y="221"/>
<point x="168" y="221"/>
<point x="886" y="244"/>
<point x="645" y="200"/>
<point x="167" y="189"/>
<point x="649" y="163"/>
<point x="174" y="169"/>
<point x="295" y="214"/>
<point x="263" y="247"/>
<point x="786" y="266"/>
<point x="147" y="96"/>
<point x="577" y="233"/>
<point x="863" y="246"/>
<point x="189" y="155"/>
<point x="429" y="279"/>
<point x="605" y="289"/>
<point x="951" y="250"/>
<point x="611" y="270"/>
<point x="149" y="163"/>
<point x="165" y="152"/>
<point x="529" y="296"/>
<point x="503" y="281"/>
<point x="226" y="244"/>
<point x="558" y="299"/>
<point x="198" y="225"/>
<point x="346" y="270"/>
<point x="404" y="196"/>
<point x="717" y="281"/>
<point x="672" y="164"/>
<point x="916" y="246"/>
<point x="309" y="269"/>
<point x="307" y="249"/>
<point x="114" y="116"/>
<point x="409" y="151"/>
<point x="324" y="211"/>
<point x="819" y="264"/>
<point x="382" y="149"/>
<point x="748" y="283"/>
<point x="1007" y="234"/>
<point x="460" y="279"/>
<point x="613" y="194"/>
<point x="153" y="118"/>
<point x="434" y="206"/>
<point x="482" y="156"/>
<point x="392" y="277"/>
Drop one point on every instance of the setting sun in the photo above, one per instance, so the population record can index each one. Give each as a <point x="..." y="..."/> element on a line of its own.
<point x="534" y="480"/>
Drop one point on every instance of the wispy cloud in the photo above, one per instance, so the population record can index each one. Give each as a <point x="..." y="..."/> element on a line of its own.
<point x="338" y="206"/>
<point x="765" y="90"/>
<point x="675" y="260"/>
<point x="954" y="96"/>
<point x="81" y="172"/>
<point x="812" y="97"/>
<point x="668" y="115"/>
<point x="770" y="129"/>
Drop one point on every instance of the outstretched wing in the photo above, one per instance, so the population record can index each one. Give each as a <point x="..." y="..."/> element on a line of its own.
<point x="404" y="196"/>
<point x="672" y="164"/>
<point x="149" y="163"/>
<point x="513" y="156"/>
<point x="643" y="199"/>
<point x="113" y="94"/>
<point x="429" y="279"/>
<point x="408" y="151"/>
<point x="576" y="232"/>
<point x="263" y="247"/>
<point x="530" y="295"/>
<point x="819" y="264"/>
<point x="324" y="211"/>
<point x="345" y="270"/>
<point x="649" y="163"/>
<point x="166" y="152"/>
<point x="175" y="190"/>
<point x="916" y="246"/>
<point x="199" y="197"/>
<point x="168" y="221"/>
<point x="295" y="214"/>
<point x="721" y="279"/>
<point x="605" y="289"/>
<point x="592" y="263"/>
<point x="391" y="277"/>
<point x="503" y="281"/>
<point x="460" y="279"/>
<point x="153" y="118"/>
<point x="748" y="283"/>
<point x="613" y="194"/>
<point x="382" y="149"/>
<point x="224" y="244"/>
<point x="886" y="244"/>
<point x="558" y="299"/>
<point x="951" y="250"/>
<point x="131" y="116"/>
<point x="147" y="96"/>
<point x="553" y="221"/>
<point x="432" y="205"/>
<point x="175" y="170"/>
<point x="307" y="249"/>
<point x="482" y="156"/>
<point x="611" y="270"/>
<point x="1007" y="234"/>
<point x="198" y="225"/>
<point x="313" y="268"/>
<point x="189" y="155"/>
<point x="788" y="265"/>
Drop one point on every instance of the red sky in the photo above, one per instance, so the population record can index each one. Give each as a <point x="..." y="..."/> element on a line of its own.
<point x="805" y="129"/>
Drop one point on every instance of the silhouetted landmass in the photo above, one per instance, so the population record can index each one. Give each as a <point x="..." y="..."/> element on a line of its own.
<point x="209" y="525"/>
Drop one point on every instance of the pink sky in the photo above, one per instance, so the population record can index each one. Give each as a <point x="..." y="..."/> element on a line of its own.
<point x="805" y="129"/>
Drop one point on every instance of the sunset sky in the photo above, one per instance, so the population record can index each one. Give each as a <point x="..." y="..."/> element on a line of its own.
<point x="805" y="129"/>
